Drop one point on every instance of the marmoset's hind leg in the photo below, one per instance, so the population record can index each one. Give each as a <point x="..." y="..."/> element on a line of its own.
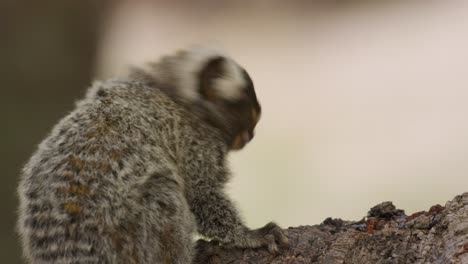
<point x="176" y="239"/>
<point x="167" y="222"/>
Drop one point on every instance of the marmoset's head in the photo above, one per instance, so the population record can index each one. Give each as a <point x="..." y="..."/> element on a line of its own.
<point x="213" y="86"/>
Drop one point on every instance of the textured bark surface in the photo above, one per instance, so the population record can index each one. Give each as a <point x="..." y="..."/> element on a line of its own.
<point x="386" y="235"/>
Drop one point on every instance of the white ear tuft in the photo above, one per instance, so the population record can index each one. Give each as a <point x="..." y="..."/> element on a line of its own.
<point x="189" y="67"/>
<point x="230" y="85"/>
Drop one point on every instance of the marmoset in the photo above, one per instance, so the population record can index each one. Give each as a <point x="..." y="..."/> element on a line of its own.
<point x="140" y="165"/>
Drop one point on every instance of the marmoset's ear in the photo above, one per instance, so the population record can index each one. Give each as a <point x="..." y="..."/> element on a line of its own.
<point x="210" y="72"/>
<point x="221" y="79"/>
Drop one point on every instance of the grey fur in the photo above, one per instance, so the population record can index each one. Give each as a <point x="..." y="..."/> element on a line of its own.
<point x="128" y="177"/>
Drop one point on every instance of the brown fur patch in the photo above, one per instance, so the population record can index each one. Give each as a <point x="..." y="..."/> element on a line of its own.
<point x="75" y="189"/>
<point x="76" y="163"/>
<point x="91" y="134"/>
<point x="116" y="155"/>
<point x="92" y="148"/>
<point x="92" y="165"/>
<point x="122" y="246"/>
<point x="105" y="168"/>
<point x="117" y="241"/>
<point x="79" y="189"/>
<point x="72" y="208"/>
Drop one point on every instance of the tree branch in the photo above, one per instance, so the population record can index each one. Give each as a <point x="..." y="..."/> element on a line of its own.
<point x="387" y="235"/>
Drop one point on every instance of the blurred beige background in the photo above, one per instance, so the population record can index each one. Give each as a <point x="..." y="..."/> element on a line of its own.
<point x="362" y="102"/>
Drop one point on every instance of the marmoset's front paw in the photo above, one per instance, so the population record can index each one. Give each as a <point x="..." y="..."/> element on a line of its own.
<point x="271" y="235"/>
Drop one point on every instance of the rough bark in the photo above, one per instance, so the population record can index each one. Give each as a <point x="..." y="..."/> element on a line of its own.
<point x="386" y="235"/>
